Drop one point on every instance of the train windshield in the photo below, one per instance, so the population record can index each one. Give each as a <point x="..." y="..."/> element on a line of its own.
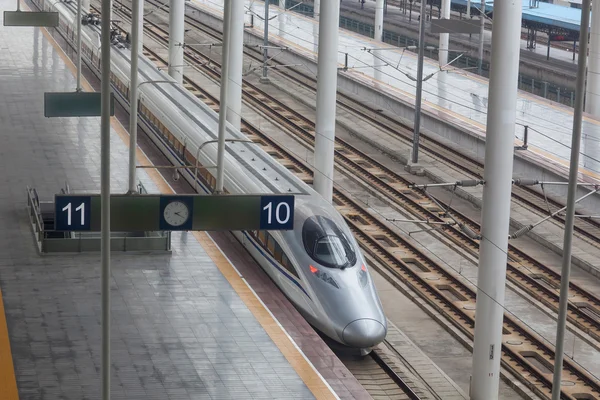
<point x="326" y="243"/>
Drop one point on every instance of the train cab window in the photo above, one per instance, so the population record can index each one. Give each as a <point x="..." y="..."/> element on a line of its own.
<point x="326" y="243"/>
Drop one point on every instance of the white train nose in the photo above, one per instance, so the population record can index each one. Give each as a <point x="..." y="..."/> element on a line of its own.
<point x="363" y="333"/>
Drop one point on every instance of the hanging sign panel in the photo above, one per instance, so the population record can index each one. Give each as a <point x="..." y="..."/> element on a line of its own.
<point x="135" y="213"/>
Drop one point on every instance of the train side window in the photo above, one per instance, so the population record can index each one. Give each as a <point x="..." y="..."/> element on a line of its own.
<point x="270" y="244"/>
<point x="278" y="253"/>
<point x="262" y="237"/>
<point x="285" y="261"/>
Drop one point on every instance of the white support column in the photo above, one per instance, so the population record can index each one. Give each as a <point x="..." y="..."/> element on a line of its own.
<point x="326" y="98"/>
<point x="444" y="37"/>
<point x="282" y="4"/>
<point x="236" y="63"/>
<point x="379" y="20"/>
<point x="592" y="93"/>
<point x="317" y="8"/>
<point x="137" y="40"/>
<point x="499" y="149"/>
<point x="176" y="33"/>
<point x="85" y="6"/>
<point x="224" y="93"/>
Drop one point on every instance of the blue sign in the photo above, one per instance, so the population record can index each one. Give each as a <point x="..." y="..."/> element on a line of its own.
<point x="72" y="213"/>
<point x="276" y="212"/>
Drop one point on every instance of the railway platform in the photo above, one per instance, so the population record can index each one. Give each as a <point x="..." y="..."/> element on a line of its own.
<point x="184" y="325"/>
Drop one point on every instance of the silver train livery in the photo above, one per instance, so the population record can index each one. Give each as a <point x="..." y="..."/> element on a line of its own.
<point x="318" y="265"/>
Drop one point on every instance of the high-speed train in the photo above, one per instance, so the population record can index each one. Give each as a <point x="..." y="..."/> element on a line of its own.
<point x="318" y="265"/>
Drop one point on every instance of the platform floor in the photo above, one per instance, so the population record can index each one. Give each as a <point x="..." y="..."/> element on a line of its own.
<point x="180" y="328"/>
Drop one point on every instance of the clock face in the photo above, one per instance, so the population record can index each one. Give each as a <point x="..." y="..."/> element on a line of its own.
<point x="176" y="213"/>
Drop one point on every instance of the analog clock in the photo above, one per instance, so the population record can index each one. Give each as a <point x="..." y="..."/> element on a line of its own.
<point x="176" y="213"/>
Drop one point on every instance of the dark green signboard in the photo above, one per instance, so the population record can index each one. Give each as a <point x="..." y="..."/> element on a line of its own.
<point x="31" y="18"/>
<point x="75" y="104"/>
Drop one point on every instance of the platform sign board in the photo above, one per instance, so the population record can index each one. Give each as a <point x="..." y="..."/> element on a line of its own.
<point x="137" y="213"/>
<point x="75" y="104"/>
<point x="72" y="213"/>
<point x="31" y="18"/>
<point x="455" y="26"/>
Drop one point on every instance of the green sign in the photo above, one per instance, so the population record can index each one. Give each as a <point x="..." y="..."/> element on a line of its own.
<point x="138" y="213"/>
<point x="31" y="18"/>
<point x="75" y="104"/>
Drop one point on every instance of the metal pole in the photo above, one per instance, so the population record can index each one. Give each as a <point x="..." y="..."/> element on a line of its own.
<point x="326" y="98"/>
<point x="592" y="95"/>
<point x="105" y="200"/>
<point x="468" y="9"/>
<point x="78" y="89"/>
<point x="571" y="195"/>
<point x="264" y="77"/>
<point x="236" y="64"/>
<point x="481" y="38"/>
<point x="379" y="20"/>
<point x="417" y="126"/>
<point x="499" y="150"/>
<point x="316" y="8"/>
<point x="136" y="38"/>
<point x="223" y="97"/>
<point x="176" y="39"/>
<point x="444" y="37"/>
<point x="86" y="6"/>
<point x="281" y="4"/>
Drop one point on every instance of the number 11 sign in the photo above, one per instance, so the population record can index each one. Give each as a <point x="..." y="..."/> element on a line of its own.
<point x="73" y="213"/>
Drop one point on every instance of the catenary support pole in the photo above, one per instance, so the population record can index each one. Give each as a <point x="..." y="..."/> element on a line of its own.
<point x="481" y="38"/>
<point x="444" y="37"/>
<point x="176" y="39"/>
<point x="592" y="96"/>
<point x="499" y="149"/>
<point x="78" y="89"/>
<point x="468" y="9"/>
<point x="316" y="9"/>
<point x="379" y="20"/>
<point x="85" y="6"/>
<point x="571" y="200"/>
<point x="421" y="55"/>
<point x="105" y="200"/>
<point x="137" y="10"/>
<point x="223" y="106"/>
<point x="236" y="64"/>
<point x="282" y="4"/>
<point x="265" y="72"/>
<point x="326" y="98"/>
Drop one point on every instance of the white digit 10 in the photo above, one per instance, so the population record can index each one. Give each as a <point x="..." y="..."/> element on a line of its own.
<point x="278" y="212"/>
<point x="81" y="207"/>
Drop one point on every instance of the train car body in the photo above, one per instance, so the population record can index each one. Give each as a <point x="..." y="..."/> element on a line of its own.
<point x="318" y="265"/>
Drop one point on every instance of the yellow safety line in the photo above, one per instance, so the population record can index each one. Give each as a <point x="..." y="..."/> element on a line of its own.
<point x="8" y="381"/>
<point x="307" y="372"/>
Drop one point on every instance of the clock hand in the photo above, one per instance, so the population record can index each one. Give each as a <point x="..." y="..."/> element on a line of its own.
<point x="176" y="213"/>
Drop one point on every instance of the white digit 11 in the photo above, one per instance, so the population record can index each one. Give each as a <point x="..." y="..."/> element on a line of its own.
<point x="81" y="207"/>
<point x="269" y="208"/>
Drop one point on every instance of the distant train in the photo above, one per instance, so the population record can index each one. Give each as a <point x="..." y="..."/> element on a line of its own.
<point x="318" y="265"/>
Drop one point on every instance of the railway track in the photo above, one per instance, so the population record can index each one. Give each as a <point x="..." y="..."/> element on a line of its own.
<point x="587" y="228"/>
<point x="524" y="353"/>
<point x="378" y="378"/>
<point x="538" y="281"/>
